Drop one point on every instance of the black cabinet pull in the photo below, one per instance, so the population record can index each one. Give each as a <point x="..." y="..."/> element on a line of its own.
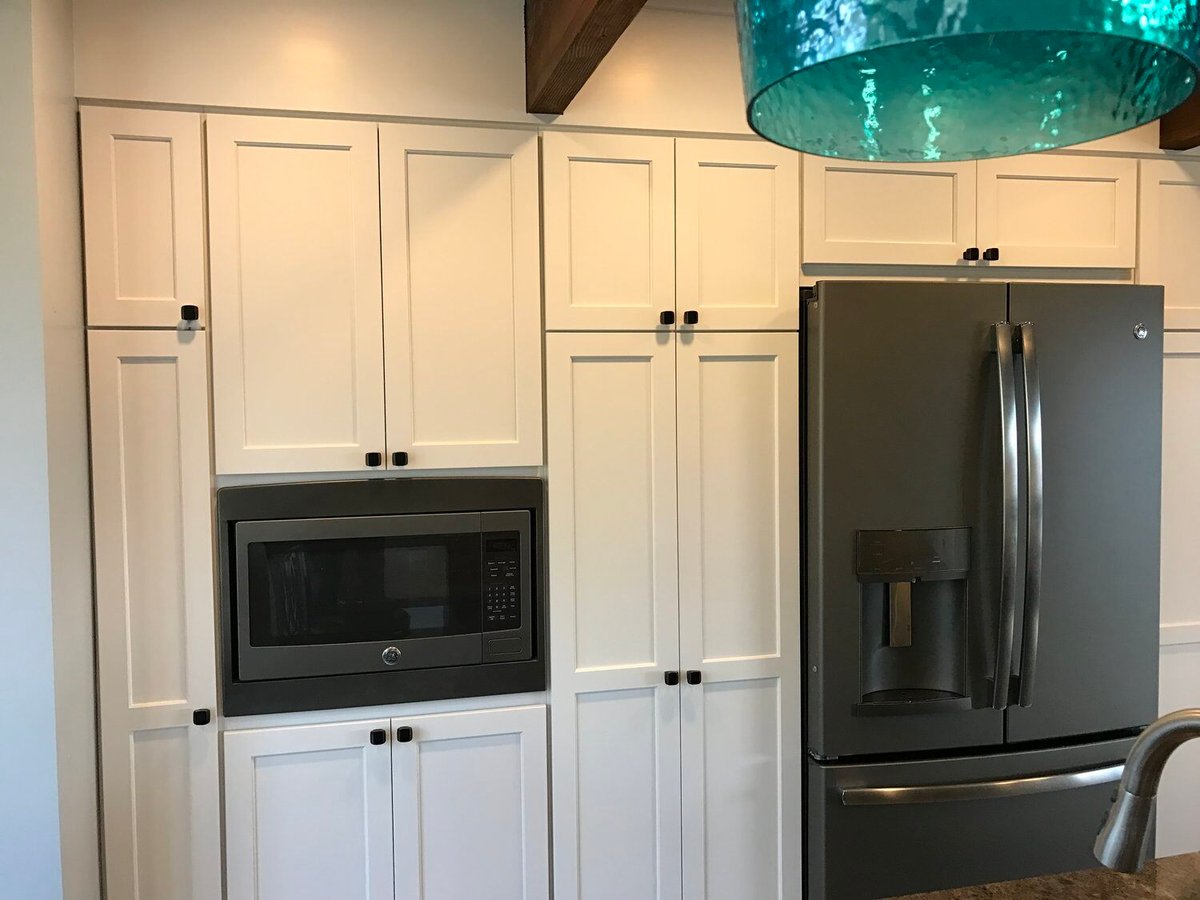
<point x="201" y="717"/>
<point x="189" y="312"/>
<point x="378" y="736"/>
<point x="691" y="317"/>
<point x="991" y="254"/>
<point x="374" y="459"/>
<point x="400" y="458"/>
<point x="404" y="734"/>
<point x="666" y="317"/>
<point x="671" y="678"/>
<point x="971" y="254"/>
<point x="693" y="676"/>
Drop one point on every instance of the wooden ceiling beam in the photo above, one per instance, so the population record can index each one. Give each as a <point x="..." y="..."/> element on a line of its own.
<point x="1180" y="128"/>
<point x="565" y="40"/>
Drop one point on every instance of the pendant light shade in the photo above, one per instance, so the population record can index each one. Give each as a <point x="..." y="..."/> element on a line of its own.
<point x="925" y="80"/>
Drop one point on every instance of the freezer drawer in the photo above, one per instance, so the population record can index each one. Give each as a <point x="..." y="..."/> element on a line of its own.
<point x="954" y="822"/>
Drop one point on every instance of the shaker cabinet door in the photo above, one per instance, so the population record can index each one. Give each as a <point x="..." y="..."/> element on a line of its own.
<point x="308" y="813"/>
<point x="739" y="613"/>
<point x="614" y="629"/>
<point x="297" y="327"/>
<point x="609" y="223"/>
<point x="462" y="296"/>
<point x="155" y="613"/>
<point x="1170" y="209"/>
<point x="470" y="805"/>
<point x="143" y="215"/>
<point x="737" y="234"/>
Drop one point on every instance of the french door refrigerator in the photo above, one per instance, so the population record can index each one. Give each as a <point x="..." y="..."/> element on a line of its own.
<point x="981" y="584"/>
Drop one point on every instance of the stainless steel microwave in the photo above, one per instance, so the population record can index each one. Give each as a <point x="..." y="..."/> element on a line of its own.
<point x="390" y="579"/>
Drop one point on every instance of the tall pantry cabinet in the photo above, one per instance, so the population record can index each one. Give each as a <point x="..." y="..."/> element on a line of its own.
<point x="673" y="466"/>
<point x="151" y="493"/>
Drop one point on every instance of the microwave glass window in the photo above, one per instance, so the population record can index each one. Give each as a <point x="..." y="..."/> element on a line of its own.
<point x="343" y="590"/>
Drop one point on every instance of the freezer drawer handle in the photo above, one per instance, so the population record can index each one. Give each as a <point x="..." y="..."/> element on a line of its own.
<point x="1010" y="509"/>
<point x="1034" y="505"/>
<point x="980" y="790"/>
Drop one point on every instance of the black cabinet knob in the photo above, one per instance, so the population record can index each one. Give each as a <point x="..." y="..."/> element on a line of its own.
<point x="671" y="678"/>
<point x="374" y="460"/>
<point x="404" y="734"/>
<point x="971" y="254"/>
<point x="399" y="458"/>
<point x="991" y="254"/>
<point x="189" y="312"/>
<point x="666" y="317"/>
<point x="693" y="676"/>
<point x="691" y="317"/>
<point x="201" y="717"/>
<point x="378" y="736"/>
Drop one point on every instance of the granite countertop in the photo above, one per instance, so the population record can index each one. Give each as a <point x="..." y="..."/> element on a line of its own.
<point x="1174" y="878"/>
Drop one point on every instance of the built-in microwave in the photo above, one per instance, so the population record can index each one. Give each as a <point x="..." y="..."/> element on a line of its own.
<point x="354" y="593"/>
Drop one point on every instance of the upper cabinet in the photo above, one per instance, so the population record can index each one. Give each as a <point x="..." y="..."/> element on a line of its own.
<point x="143" y="215"/>
<point x="375" y="296"/>
<point x="462" y="296"/>
<point x="609" y="231"/>
<point x="296" y="286"/>
<point x="920" y="214"/>
<point x="1170" y="209"/>
<point x="1061" y="211"/>
<point x="652" y="232"/>
<point x="1029" y="211"/>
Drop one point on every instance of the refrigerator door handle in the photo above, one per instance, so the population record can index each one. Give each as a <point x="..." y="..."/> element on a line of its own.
<point x="1034" y="507"/>
<point x="1010" y="509"/>
<point x="980" y="790"/>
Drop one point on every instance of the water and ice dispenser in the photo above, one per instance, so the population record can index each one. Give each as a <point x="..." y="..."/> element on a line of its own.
<point x="913" y="653"/>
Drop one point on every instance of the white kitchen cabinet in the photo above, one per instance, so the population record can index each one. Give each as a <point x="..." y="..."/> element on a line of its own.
<point x="737" y="234"/>
<point x="1170" y="209"/>
<point x="1179" y="669"/>
<point x="739" y="613"/>
<point x="308" y="812"/>
<point x="887" y="213"/>
<point x="674" y="551"/>
<point x="155" y="611"/>
<point x="471" y="806"/>
<point x="609" y="207"/>
<point x="297" y="327"/>
<point x="143" y="215"/>
<point x="462" y="296"/>
<point x="614" y="627"/>
<point x="1060" y="211"/>
<point x="435" y="807"/>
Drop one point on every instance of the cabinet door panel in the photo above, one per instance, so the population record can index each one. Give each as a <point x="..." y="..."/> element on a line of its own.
<point x="154" y="612"/>
<point x="143" y="215"/>
<point x="611" y="440"/>
<point x="609" y="204"/>
<point x="1170" y="209"/>
<point x="308" y="813"/>
<point x="887" y="213"/>
<point x="1068" y="211"/>
<point x="462" y="300"/>
<point x="739" y="546"/>
<point x="296" y="319"/>
<point x="738" y="234"/>
<point x="470" y="809"/>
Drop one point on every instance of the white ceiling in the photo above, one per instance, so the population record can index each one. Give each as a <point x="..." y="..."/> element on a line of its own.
<point x="718" y="7"/>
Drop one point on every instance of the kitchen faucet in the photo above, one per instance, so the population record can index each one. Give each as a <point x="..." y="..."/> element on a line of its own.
<point x="1124" y="839"/>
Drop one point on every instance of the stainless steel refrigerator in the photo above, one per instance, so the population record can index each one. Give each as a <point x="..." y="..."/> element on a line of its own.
<point x="981" y="586"/>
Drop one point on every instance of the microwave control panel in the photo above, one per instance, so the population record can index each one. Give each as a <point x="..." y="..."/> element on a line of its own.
<point x="501" y="581"/>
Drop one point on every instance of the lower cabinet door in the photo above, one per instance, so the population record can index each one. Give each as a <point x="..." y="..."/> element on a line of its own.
<point x="308" y="812"/>
<point x="470" y="805"/>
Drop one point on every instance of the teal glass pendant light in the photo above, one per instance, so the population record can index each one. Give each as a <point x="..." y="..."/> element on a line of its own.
<point x="926" y="80"/>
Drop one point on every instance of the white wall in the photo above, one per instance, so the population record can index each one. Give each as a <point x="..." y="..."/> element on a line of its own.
<point x="29" y="841"/>
<point x="441" y="59"/>
<point x="56" y="144"/>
